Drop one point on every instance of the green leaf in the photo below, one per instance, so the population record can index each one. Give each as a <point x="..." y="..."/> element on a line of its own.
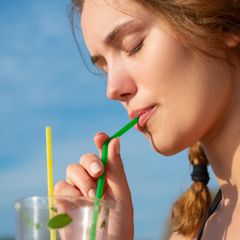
<point x="30" y="222"/>
<point x="59" y="221"/>
<point x="103" y="224"/>
<point x="37" y="225"/>
<point x="54" y="209"/>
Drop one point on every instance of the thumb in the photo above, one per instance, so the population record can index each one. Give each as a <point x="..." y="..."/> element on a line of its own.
<point x="115" y="173"/>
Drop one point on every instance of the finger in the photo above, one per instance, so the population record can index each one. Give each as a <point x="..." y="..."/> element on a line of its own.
<point x="62" y="188"/>
<point x="116" y="177"/>
<point x="77" y="176"/>
<point x="63" y="195"/>
<point x="92" y="164"/>
<point x="99" y="139"/>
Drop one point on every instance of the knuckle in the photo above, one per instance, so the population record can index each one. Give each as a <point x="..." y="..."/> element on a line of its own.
<point x="87" y="158"/>
<point x="59" y="186"/>
<point x="71" y="168"/>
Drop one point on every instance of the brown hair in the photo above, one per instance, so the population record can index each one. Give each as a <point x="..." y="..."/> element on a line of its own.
<point x="189" y="212"/>
<point x="201" y="23"/>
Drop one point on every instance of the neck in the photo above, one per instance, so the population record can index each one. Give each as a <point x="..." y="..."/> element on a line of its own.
<point x="222" y="148"/>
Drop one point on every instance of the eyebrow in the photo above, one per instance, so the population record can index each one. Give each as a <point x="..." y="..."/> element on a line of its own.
<point x="112" y="35"/>
<point x="117" y="30"/>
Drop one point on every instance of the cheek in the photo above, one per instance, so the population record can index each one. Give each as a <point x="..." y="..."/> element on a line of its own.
<point x="185" y="86"/>
<point x="192" y="99"/>
<point x="172" y="131"/>
<point x="163" y="64"/>
<point x="181" y="122"/>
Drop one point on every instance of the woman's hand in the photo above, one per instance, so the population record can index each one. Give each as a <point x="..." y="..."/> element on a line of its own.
<point x="81" y="180"/>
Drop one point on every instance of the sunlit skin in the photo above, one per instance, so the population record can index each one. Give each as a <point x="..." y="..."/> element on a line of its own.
<point x="162" y="72"/>
<point x="192" y="98"/>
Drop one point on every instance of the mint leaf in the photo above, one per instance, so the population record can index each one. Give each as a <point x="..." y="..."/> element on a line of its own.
<point x="103" y="224"/>
<point x="54" y="209"/>
<point x="30" y="222"/>
<point x="59" y="221"/>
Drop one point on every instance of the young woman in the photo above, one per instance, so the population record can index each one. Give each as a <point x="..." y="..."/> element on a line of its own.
<point x="176" y="64"/>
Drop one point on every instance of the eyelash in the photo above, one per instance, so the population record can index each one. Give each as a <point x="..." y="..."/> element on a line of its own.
<point x="134" y="50"/>
<point x="129" y="53"/>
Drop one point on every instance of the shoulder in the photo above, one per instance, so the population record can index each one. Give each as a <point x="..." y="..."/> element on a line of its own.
<point x="176" y="236"/>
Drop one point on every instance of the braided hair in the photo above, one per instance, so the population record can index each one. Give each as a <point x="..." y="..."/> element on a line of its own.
<point x="189" y="212"/>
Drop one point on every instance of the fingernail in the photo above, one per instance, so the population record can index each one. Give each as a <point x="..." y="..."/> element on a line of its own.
<point x="117" y="146"/>
<point x="95" y="168"/>
<point x="92" y="193"/>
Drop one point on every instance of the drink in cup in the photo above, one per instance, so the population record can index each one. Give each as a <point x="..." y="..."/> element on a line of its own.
<point x="65" y="218"/>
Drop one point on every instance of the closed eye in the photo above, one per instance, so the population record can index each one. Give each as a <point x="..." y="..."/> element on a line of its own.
<point x="135" y="49"/>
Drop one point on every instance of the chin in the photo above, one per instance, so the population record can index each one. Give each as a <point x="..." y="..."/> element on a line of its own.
<point x="166" y="148"/>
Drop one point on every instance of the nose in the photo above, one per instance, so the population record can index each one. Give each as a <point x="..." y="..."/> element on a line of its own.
<point x="120" y="85"/>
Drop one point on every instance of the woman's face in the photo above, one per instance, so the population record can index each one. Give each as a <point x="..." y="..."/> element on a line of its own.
<point x="179" y="94"/>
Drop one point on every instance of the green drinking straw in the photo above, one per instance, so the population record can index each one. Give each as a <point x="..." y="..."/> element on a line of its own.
<point x="101" y="179"/>
<point x="119" y="133"/>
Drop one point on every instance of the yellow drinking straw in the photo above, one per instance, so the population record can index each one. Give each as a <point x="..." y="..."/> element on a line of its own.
<point x="50" y="175"/>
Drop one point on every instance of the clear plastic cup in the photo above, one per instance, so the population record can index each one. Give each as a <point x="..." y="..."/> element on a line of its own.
<point x="65" y="218"/>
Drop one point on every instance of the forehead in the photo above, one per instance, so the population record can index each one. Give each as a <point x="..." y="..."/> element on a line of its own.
<point x="101" y="16"/>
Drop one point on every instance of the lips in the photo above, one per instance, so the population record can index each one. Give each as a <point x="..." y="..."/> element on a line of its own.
<point x="144" y="115"/>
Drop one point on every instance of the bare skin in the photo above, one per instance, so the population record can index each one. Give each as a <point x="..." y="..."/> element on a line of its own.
<point x="81" y="181"/>
<point x="192" y="98"/>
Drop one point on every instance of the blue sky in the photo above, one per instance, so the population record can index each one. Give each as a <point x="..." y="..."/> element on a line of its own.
<point x="43" y="82"/>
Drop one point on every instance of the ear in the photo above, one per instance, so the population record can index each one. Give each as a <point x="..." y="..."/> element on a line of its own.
<point x="232" y="40"/>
